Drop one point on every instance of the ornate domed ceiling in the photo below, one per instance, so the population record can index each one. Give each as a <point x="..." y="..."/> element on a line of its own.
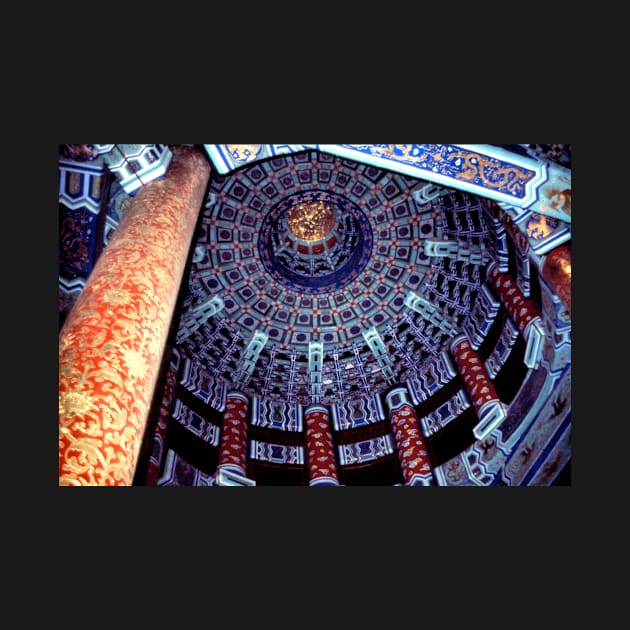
<point x="315" y="279"/>
<point x="312" y="259"/>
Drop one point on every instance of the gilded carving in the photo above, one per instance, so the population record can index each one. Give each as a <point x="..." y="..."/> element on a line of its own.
<point x="311" y="221"/>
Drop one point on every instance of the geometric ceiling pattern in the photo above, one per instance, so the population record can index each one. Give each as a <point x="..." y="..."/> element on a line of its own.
<point x="313" y="278"/>
<point x="353" y="290"/>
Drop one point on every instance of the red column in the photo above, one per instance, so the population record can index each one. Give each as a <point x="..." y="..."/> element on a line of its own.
<point x="233" y="445"/>
<point x="522" y="312"/>
<point x="556" y="270"/>
<point x="320" y="454"/>
<point x="520" y="309"/>
<point x="409" y="441"/>
<point x="112" y="342"/>
<point x="490" y="410"/>
<point x="157" y="449"/>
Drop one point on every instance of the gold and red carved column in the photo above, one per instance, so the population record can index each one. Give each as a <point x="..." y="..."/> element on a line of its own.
<point x="409" y="441"/>
<point x="159" y="431"/>
<point x="522" y="312"/>
<point x="233" y="444"/>
<point x="320" y="453"/>
<point x="485" y="400"/>
<point x="556" y="270"/>
<point x="112" y="342"/>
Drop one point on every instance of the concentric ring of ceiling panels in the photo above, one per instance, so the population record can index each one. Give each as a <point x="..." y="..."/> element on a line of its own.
<point x="269" y="248"/>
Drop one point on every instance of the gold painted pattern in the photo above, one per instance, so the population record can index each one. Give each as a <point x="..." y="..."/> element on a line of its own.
<point x="460" y="164"/>
<point x="311" y="221"/>
<point x="111" y="345"/>
<point x="540" y="226"/>
<point x="475" y="166"/>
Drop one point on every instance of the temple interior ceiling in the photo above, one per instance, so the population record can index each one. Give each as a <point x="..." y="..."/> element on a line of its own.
<point x="314" y="278"/>
<point x="311" y="248"/>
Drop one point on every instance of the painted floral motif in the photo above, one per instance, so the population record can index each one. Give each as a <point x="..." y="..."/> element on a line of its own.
<point x="233" y="445"/>
<point x="109" y="353"/>
<point x="520" y="309"/>
<point x="410" y="445"/>
<point x="476" y="379"/>
<point x="320" y="452"/>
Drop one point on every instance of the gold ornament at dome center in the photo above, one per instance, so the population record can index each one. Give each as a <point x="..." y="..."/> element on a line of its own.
<point x="311" y="221"/>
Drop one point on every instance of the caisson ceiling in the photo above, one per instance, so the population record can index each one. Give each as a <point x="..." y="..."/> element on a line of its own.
<point x="317" y="279"/>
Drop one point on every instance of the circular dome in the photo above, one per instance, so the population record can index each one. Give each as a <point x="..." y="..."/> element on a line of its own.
<point x="310" y="248"/>
<point x="315" y="242"/>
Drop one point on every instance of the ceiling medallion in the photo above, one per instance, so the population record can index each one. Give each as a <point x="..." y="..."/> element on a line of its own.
<point x="315" y="242"/>
<point x="311" y="221"/>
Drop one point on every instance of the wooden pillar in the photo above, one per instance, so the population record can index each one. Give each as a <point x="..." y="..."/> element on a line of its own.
<point x="410" y="445"/>
<point x="556" y="270"/>
<point x="320" y="454"/>
<point x="490" y="410"/>
<point x="112" y="342"/>
<point x="522" y="311"/>
<point x="233" y="445"/>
